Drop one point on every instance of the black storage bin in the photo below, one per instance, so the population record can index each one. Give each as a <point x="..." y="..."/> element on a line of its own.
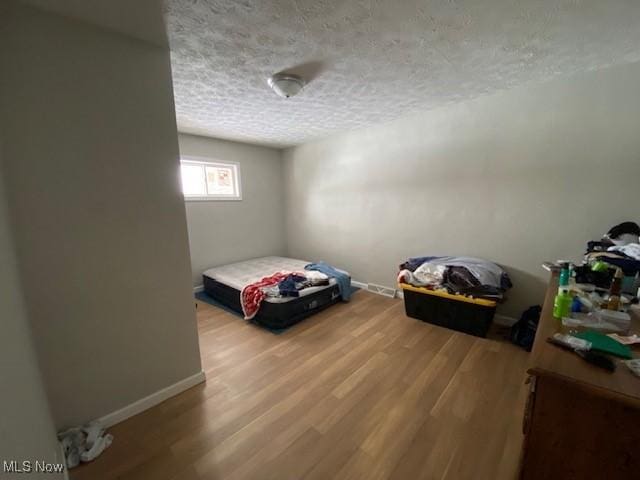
<point x="464" y="314"/>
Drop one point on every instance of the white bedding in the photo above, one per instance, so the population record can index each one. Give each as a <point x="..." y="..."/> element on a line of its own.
<point x="239" y="275"/>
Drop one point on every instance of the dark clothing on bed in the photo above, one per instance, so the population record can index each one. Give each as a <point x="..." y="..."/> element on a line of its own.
<point x="291" y="286"/>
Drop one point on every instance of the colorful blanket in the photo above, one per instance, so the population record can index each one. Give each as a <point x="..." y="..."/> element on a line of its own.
<point x="252" y="295"/>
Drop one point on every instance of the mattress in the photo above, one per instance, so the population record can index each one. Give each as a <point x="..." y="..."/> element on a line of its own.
<point x="239" y="275"/>
<point x="226" y="282"/>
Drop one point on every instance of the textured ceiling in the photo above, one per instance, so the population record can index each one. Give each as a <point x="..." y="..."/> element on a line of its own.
<point x="369" y="61"/>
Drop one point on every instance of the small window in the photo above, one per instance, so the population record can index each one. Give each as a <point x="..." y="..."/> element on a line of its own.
<point x="204" y="180"/>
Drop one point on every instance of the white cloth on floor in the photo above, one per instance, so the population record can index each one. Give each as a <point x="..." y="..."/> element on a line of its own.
<point x="99" y="446"/>
<point x="83" y="444"/>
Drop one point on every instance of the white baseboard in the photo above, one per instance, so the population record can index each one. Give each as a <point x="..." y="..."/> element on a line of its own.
<point x="198" y="288"/>
<point x="152" y="400"/>
<point x="504" y="320"/>
<point x="365" y="286"/>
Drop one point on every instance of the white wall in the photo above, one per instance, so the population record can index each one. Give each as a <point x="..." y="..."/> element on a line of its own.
<point x="26" y="427"/>
<point x="223" y="232"/>
<point x="92" y="175"/>
<point x="518" y="178"/>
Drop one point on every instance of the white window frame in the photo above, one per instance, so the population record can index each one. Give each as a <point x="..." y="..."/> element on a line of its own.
<point x="235" y="166"/>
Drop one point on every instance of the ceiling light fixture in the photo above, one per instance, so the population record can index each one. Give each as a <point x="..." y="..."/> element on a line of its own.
<point x="286" y="84"/>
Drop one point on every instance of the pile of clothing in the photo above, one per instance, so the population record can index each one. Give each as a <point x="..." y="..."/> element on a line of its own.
<point x="460" y="275"/>
<point x="289" y="284"/>
<point x="84" y="444"/>
<point x="619" y="247"/>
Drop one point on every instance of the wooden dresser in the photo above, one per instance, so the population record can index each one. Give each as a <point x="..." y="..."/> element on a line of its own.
<point x="580" y="421"/>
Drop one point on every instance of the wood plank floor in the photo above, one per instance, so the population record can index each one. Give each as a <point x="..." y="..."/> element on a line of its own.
<point x="358" y="391"/>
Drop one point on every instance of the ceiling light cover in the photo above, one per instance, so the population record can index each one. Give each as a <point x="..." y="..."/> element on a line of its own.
<point x="286" y="84"/>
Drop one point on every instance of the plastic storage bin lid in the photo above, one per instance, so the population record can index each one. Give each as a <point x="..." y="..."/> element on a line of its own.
<point x="441" y="293"/>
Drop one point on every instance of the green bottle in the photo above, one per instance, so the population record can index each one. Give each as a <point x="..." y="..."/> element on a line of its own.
<point x="562" y="304"/>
